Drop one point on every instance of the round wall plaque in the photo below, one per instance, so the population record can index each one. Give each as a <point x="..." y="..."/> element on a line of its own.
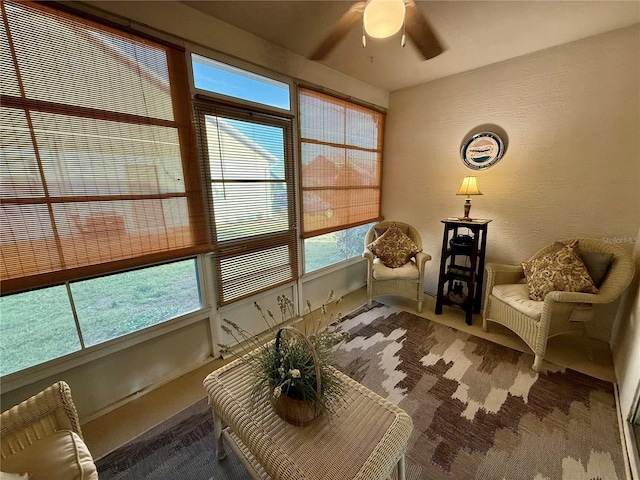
<point x="482" y="150"/>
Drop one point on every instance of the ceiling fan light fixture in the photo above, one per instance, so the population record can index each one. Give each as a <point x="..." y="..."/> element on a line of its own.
<point x="383" y="18"/>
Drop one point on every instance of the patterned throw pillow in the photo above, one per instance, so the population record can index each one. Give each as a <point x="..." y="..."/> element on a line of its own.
<point x="378" y="231"/>
<point x="393" y="247"/>
<point x="562" y="270"/>
<point x="597" y="264"/>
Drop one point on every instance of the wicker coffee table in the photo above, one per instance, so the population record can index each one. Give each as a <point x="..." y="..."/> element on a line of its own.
<point x="365" y="438"/>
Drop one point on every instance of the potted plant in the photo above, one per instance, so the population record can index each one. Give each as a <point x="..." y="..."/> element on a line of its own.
<point x="296" y="368"/>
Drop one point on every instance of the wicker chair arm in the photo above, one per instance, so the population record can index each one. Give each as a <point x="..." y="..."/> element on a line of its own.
<point x="368" y="254"/>
<point x="573" y="297"/>
<point x="421" y="259"/>
<point x="580" y="297"/>
<point x="48" y="411"/>
<point x="618" y="279"/>
<point x="499" y="274"/>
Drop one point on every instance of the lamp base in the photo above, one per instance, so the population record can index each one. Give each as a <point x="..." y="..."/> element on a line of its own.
<point x="467" y="209"/>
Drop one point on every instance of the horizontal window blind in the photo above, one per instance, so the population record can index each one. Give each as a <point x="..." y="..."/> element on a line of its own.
<point x="341" y="156"/>
<point x="247" y="160"/>
<point x="98" y="166"/>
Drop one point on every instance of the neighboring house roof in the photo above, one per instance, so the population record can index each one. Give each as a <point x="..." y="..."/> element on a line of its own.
<point x="322" y="171"/>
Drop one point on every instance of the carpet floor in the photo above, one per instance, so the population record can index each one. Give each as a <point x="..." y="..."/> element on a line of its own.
<point x="180" y="448"/>
<point x="479" y="411"/>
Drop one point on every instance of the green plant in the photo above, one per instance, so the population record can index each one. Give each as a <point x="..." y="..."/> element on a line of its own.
<point x="287" y="365"/>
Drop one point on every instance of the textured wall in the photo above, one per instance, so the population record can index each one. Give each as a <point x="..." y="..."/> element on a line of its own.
<point x="572" y="165"/>
<point x="626" y="343"/>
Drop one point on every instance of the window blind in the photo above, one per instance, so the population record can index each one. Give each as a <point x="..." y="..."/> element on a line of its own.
<point x="341" y="156"/>
<point x="247" y="160"/>
<point x="98" y="166"/>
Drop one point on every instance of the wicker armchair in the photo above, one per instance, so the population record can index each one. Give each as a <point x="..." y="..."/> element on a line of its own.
<point x="42" y="436"/>
<point x="406" y="281"/>
<point x="506" y="299"/>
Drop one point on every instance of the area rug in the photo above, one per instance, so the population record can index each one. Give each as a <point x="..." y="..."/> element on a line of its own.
<point x="479" y="411"/>
<point x="180" y="448"/>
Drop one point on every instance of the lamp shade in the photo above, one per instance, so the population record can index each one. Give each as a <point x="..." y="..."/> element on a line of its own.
<point x="469" y="187"/>
<point x="383" y="18"/>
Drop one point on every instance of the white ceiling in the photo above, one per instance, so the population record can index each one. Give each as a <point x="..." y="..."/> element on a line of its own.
<point x="474" y="33"/>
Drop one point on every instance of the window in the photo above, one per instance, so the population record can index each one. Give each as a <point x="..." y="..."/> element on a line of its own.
<point x="114" y="305"/>
<point x="325" y="250"/>
<point x="40" y="325"/>
<point x="97" y="151"/>
<point x="248" y="163"/>
<point x="341" y="149"/>
<point x="218" y="77"/>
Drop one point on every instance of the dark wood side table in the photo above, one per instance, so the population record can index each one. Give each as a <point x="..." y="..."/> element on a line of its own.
<point x="462" y="266"/>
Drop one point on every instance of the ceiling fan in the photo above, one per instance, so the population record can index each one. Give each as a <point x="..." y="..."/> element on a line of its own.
<point x="382" y="19"/>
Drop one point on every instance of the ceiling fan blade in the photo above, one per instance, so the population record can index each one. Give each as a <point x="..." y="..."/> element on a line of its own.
<point x="420" y="32"/>
<point x="346" y="22"/>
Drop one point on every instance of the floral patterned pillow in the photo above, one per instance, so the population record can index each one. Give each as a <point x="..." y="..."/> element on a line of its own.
<point x="393" y="247"/>
<point x="562" y="270"/>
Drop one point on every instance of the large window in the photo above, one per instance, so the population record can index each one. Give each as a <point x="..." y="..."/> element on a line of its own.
<point x="48" y="323"/>
<point x="97" y="151"/>
<point x="98" y="174"/>
<point x="341" y="148"/>
<point x="248" y="162"/>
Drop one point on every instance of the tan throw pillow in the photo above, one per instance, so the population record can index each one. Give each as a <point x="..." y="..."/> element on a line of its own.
<point x="597" y="264"/>
<point x="378" y="231"/>
<point x="562" y="270"/>
<point x="393" y="247"/>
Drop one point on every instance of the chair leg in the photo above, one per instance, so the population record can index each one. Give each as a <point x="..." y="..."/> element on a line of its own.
<point x="419" y="306"/>
<point x="485" y="324"/>
<point x="537" y="363"/>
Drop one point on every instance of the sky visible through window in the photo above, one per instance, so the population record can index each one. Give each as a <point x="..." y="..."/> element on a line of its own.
<point x="227" y="80"/>
<point x="224" y="79"/>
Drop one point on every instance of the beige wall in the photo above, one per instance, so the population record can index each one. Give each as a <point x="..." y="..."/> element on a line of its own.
<point x="626" y="340"/>
<point x="625" y="346"/>
<point x="572" y="165"/>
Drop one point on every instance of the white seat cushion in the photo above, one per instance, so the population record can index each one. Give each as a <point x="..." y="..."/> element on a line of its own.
<point x="408" y="271"/>
<point x="516" y="295"/>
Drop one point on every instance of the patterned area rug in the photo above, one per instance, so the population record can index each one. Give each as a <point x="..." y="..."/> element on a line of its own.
<point x="479" y="411"/>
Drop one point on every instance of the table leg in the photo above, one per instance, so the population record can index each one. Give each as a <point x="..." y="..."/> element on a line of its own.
<point x="217" y="431"/>
<point x="401" y="468"/>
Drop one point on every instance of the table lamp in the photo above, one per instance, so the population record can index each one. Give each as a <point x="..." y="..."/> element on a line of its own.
<point x="469" y="187"/>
